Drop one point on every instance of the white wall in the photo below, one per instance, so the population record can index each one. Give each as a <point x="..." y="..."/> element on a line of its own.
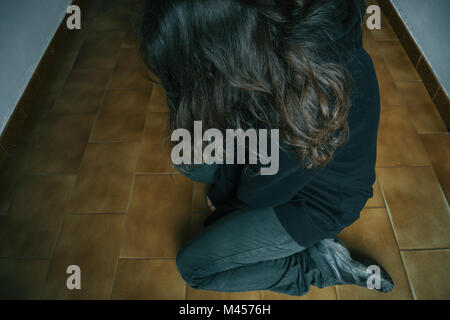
<point x="428" y="21"/>
<point x="26" y="29"/>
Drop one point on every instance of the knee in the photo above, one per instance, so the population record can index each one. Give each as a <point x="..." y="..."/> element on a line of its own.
<point x="185" y="263"/>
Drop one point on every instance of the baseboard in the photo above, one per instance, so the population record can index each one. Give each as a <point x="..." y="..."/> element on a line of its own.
<point x="429" y="79"/>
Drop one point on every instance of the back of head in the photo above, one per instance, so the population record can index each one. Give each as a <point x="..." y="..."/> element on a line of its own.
<point x="253" y="64"/>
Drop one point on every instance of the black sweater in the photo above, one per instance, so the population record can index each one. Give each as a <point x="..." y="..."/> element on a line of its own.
<point x="313" y="204"/>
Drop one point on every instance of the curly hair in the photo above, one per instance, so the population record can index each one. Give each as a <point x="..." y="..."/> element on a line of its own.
<point x="253" y="64"/>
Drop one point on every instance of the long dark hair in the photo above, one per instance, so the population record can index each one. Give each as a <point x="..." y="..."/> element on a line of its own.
<point x="252" y="64"/>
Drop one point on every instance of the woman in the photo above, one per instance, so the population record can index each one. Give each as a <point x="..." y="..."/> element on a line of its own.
<point x="297" y="66"/>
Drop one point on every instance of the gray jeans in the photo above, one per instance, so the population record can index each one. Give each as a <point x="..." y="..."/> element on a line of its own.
<point x="246" y="250"/>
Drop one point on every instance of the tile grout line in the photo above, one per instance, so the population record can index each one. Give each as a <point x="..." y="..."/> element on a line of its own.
<point x="146" y="258"/>
<point x="388" y="211"/>
<point x="141" y="147"/>
<point x="67" y="211"/>
<point x="403" y="105"/>
<point x="336" y="291"/>
<point x="404" y="166"/>
<point x="408" y="60"/>
<point x="41" y="290"/>
<point x="424" y="249"/>
<point x="31" y="258"/>
<point x="435" y="133"/>
<point x="57" y="93"/>
<point x="189" y="228"/>
<point x="58" y="234"/>
<point x="435" y="174"/>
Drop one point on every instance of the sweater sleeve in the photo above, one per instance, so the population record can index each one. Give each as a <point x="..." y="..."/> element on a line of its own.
<point x="224" y="188"/>
<point x="258" y="191"/>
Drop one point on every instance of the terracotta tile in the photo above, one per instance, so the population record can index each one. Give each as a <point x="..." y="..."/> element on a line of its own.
<point x="398" y="142"/>
<point x="428" y="272"/>
<point x="92" y="243"/>
<point x="422" y="109"/>
<point x="105" y="177"/>
<point x="371" y="2"/>
<point x="372" y="236"/>
<point x="152" y="77"/>
<point x="398" y="61"/>
<point x="22" y="279"/>
<point x="122" y="116"/>
<point x="125" y="78"/>
<point x="155" y="155"/>
<point x="13" y="132"/>
<point x="199" y="197"/>
<point x="100" y="50"/>
<point x="41" y="105"/>
<point x="59" y="71"/>
<point x="83" y="92"/>
<point x="377" y="200"/>
<point x="132" y="39"/>
<point x="59" y="144"/>
<point x="158" y="218"/>
<point x="115" y="17"/>
<point x="158" y="102"/>
<point x="314" y="293"/>
<point x="369" y="43"/>
<point x="193" y="294"/>
<point x="130" y="71"/>
<point x="31" y="225"/>
<point x="389" y="94"/>
<point x="438" y="148"/>
<point x="417" y="206"/>
<point x="13" y="170"/>
<point x="130" y="58"/>
<point x="148" y="280"/>
<point x="29" y="128"/>
<point x="75" y="39"/>
<point x="97" y="8"/>
<point x="386" y="32"/>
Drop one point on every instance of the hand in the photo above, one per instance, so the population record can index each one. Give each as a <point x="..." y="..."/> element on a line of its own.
<point x="210" y="205"/>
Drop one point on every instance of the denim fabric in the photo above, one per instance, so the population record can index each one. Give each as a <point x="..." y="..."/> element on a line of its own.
<point x="199" y="173"/>
<point x="246" y="250"/>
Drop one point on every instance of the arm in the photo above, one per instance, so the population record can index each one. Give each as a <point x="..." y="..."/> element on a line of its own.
<point x="226" y="181"/>
<point x="271" y="191"/>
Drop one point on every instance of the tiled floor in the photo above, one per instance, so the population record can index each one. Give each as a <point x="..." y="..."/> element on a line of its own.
<point x="92" y="184"/>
